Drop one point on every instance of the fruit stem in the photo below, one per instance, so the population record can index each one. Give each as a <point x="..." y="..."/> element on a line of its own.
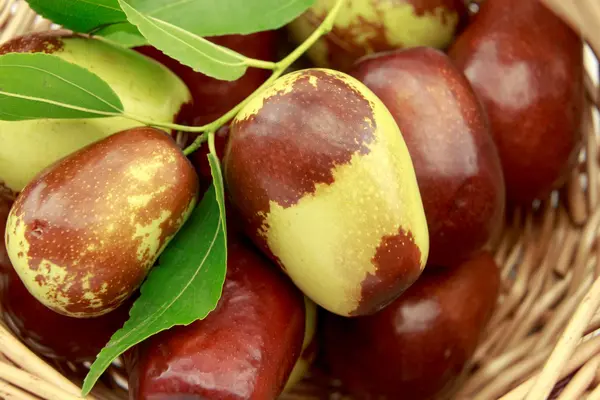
<point x="325" y="27"/>
<point x="278" y="69"/>
<point x="253" y="62"/>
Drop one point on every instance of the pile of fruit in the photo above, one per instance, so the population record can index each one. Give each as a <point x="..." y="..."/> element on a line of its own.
<point x="363" y="192"/>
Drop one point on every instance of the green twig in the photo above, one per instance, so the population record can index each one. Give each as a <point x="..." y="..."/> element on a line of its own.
<point x="279" y="69"/>
<point x="253" y="62"/>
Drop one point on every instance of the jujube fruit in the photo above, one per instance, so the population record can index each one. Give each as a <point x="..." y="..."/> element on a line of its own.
<point x="526" y="64"/>
<point x="368" y="26"/>
<point x="146" y="89"/>
<point x="84" y="233"/>
<point x="447" y="133"/>
<point x="44" y="331"/>
<point x="244" y="349"/>
<point x="324" y="183"/>
<point x="417" y="347"/>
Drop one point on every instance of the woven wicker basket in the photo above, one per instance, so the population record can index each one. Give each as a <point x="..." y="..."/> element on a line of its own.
<point x="550" y="262"/>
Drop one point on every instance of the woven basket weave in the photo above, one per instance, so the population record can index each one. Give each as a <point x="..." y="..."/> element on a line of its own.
<point x="550" y="260"/>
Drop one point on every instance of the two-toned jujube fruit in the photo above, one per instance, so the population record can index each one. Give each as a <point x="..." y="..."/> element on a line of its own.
<point x="368" y="26"/>
<point x="84" y="233"/>
<point x="323" y="180"/>
<point x="44" y="331"/>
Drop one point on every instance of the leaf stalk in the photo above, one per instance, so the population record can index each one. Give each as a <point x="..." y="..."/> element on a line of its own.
<point x="280" y="68"/>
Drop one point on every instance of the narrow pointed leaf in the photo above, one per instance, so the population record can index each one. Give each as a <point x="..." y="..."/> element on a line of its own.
<point x="189" y="49"/>
<point x="184" y="287"/>
<point x="223" y="17"/>
<point x="41" y="85"/>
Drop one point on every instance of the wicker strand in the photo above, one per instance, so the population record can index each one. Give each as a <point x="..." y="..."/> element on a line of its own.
<point x="18" y="21"/>
<point x="591" y="159"/>
<point x="5" y="12"/>
<point x="595" y="394"/>
<point x="34" y="384"/>
<point x="576" y="388"/>
<point x="500" y="364"/>
<point x="566" y="345"/>
<point x="559" y="318"/>
<point x="582" y="17"/>
<point x="25" y="358"/>
<point x="9" y="392"/>
<point x="583" y="354"/>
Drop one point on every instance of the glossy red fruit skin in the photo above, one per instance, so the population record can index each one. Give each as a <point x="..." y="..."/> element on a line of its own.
<point x="447" y="133"/>
<point x="245" y="349"/>
<point x="417" y="347"/>
<point x="212" y="97"/>
<point x="45" y="332"/>
<point x="526" y="65"/>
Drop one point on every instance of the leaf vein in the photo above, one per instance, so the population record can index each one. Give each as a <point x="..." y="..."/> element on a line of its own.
<point x="66" y="81"/>
<point x="100" y="5"/>
<point x="156" y="22"/>
<point x="60" y="104"/>
<point x="167" y="6"/>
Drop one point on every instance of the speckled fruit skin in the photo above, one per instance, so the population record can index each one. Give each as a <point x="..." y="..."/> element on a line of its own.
<point x="84" y="233"/>
<point x="369" y="26"/>
<point x="30" y="146"/>
<point x="526" y="65"/>
<point x="47" y="333"/>
<point x="447" y="133"/>
<point x="323" y="180"/>
<point x="213" y="97"/>
<point x="244" y="350"/>
<point x="417" y="347"/>
<point x="310" y="346"/>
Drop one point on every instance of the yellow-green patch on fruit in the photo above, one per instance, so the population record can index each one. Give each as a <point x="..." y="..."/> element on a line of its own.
<point x="319" y="170"/>
<point x="367" y="26"/>
<point x="146" y="89"/>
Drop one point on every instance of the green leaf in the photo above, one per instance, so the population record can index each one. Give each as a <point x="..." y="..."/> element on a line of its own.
<point x="122" y="33"/>
<point x="183" y="288"/>
<point x="41" y="85"/>
<point x="189" y="49"/>
<point x="80" y="15"/>
<point x="223" y="17"/>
